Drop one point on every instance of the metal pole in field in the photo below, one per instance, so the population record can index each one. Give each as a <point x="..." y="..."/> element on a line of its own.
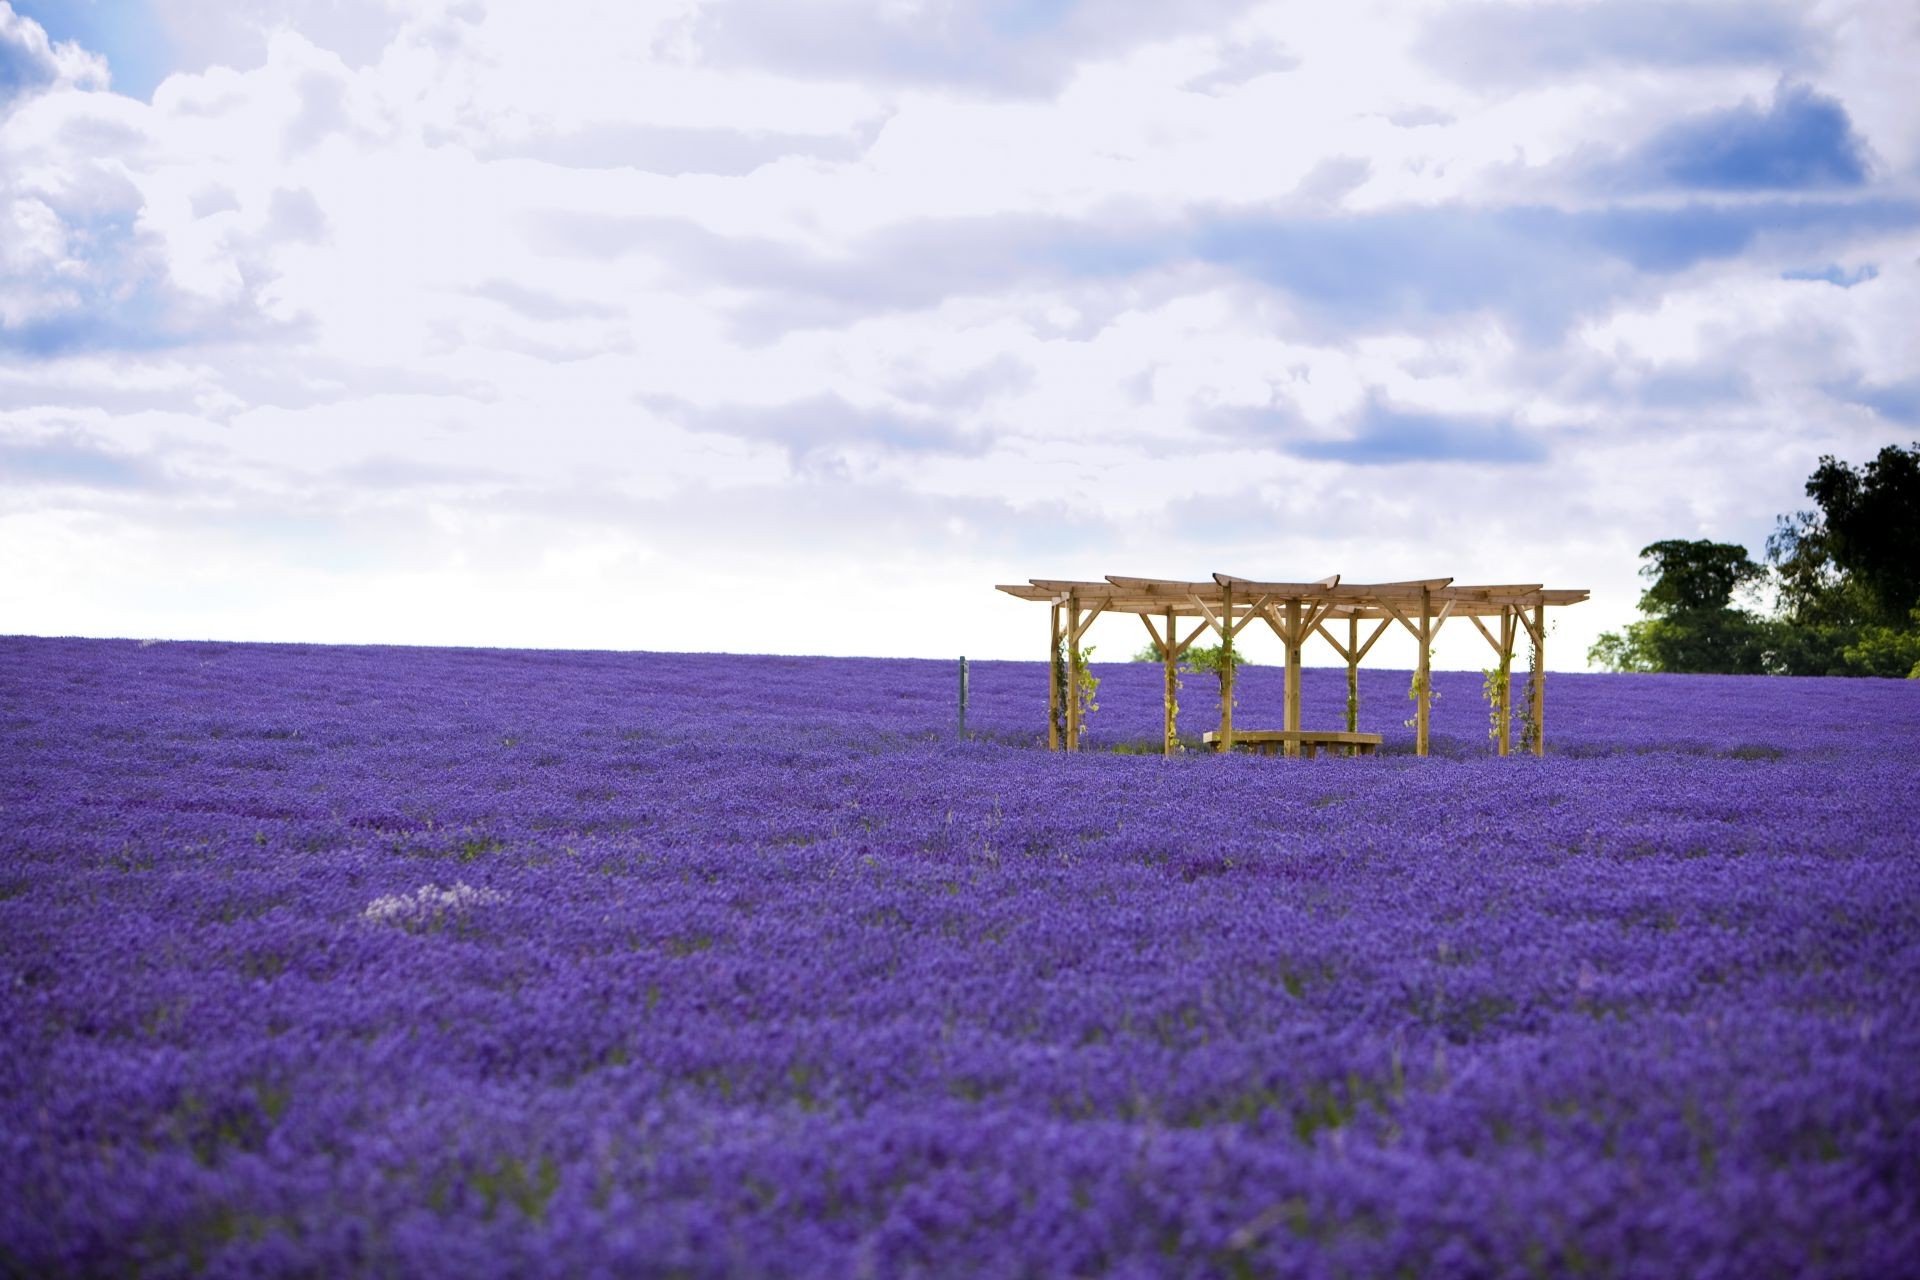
<point x="963" y="695"/>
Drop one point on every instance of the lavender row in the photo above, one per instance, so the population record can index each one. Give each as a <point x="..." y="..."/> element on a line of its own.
<point x="464" y="962"/>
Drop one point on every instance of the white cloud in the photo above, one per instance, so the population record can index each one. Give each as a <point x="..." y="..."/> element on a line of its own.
<point x="30" y="63"/>
<point x="439" y="323"/>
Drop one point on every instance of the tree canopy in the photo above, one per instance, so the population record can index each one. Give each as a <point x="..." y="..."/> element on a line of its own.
<point x="1845" y="578"/>
<point x="1691" y="624"/>
<point x="1848" y="573"/>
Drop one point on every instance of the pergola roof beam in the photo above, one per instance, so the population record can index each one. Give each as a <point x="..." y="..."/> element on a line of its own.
<point x="1341" y="600"/>
<point x="1283" y="590"/>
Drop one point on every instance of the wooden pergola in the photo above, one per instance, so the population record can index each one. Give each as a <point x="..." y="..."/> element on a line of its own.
<point x="1296" y="611"/>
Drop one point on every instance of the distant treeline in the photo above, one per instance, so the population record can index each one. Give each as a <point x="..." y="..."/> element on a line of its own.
<point x="1844" y="578"/>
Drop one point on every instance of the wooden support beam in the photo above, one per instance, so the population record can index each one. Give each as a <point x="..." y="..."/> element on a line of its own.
<point x="1506" y="680"/>
<point x="1346" y="654"/>
<point x="1533" y="630"/>
<point x="1250" y="586"/>
<point x="1081" y="629"/>
<point x="1180" y="651"/>
<point x="1073" y="673"/>
<point x="1053" y="680"/>
<point x="1377" y="633"/>
<point x="1170" y="659"/>
<point x="1146" y="620"/>
<point x="1274" y="624"/>
<point x="1226" y="672"/>
<point x="1256" y="609"/>
<point x="1539" y="629"/>
<point x="1207" y="613"/>
<point x="1295" y="633"/>
<point x="1401" y="618"/>
<point x="1423" y="675"/>
<point x="1352" y="654"/>
<point x="1482" y="627"/>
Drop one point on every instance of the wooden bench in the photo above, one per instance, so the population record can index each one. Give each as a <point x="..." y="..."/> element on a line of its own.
<point x="1269" y="741"/>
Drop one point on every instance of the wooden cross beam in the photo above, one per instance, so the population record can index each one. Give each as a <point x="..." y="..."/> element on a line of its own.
<point x="1081" y="630"/>
<point x="1482" y="628"/>
<point x="1377" y="633"/>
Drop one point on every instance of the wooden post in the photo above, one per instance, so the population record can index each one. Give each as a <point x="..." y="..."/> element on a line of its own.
<point x="1507" y="626"/>
<point x="1053" y="682"/>
<point x="1073" y="673"/>
<point x="1292" y="717"/>
<point x="1540" y="680"/>
<point x="1423" y="675"/>
<point x="1353" y="674"/>
<point x="1226" y="669"/>
<point x="1173" y="710"/>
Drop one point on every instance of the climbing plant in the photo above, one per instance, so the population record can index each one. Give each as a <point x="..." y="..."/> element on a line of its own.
<point x="1421" y="683"/>
<point x="1218" y="662"/>
<point x="1499" y="701"/>
<point x="1089" y="685"/>
<point x="1529" y="735"/>
<point x="1059" y="709"/>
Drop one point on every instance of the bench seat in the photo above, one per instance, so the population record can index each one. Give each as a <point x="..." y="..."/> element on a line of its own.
<point x="1269" y="741"/>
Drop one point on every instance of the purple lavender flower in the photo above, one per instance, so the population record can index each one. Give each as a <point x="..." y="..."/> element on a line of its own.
<point x="389" y="961"/>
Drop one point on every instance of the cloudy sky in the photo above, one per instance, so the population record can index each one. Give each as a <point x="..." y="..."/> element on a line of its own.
<point x="775" y="326"/>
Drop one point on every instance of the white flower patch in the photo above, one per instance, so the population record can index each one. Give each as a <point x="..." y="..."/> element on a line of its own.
<point x="429" y="906"/>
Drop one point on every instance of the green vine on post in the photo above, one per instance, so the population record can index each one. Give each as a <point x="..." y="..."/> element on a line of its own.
<point x="1060" y="682"/>
<point x="1420" y="684"/>
<point x="1089" y="685"/>
<point x="1353" y="699"/>
<point x="1529" y="699"/>
<point x="1499" y="701"/>
<point x="1217" y="662"/>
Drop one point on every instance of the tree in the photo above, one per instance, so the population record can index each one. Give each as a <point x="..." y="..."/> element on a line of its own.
<point x="1217" y="662"/>
<point x="1848" y="574"/>
<point x="1212" y="661"/>
<point x="1691" y="624"/>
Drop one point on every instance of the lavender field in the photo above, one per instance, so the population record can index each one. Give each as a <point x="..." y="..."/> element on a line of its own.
<point x="331" y="961"/>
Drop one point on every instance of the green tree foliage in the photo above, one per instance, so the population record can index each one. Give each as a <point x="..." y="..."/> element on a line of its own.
<point x="1213" y="662"/>
<point x="1886" y="651"/>
<point x="1691" y="623"/>
<point x="1848" y="573"/>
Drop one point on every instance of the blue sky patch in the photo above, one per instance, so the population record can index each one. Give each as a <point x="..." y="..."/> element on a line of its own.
<point x="1511" y="42"/>
<point x="22" y="70"/>
<point x="73" y="460"/>
<point x="1803" y="141"/>
<point x="1894" y="401"/>
<point x="1389" y="435"/>
<point x="127" y="33"/>
<point x="1835" y="274"/>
